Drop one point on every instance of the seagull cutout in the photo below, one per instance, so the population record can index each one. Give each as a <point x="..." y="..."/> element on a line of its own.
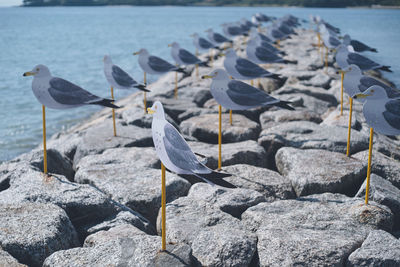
<point x="217" y="38"/>
<point x="176" y="154"/>
<point x="357" y="45"/>
<point x="244" y="69"/>
<point x="381" y="112"/>
<point x="237" y="95"/>
<point x="232" y="30"/>
<point x="155" y="65"/>
<point x="344" y="58"/>
<point x="201" y="43"/>
<point x="184" y="57"/>
<point x="57" y="93"/>
<point x="262" y="55"/>
<point x="118" y="78"/>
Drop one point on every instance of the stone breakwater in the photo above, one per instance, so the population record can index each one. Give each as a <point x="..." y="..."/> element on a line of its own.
<point x="299" y="199"/>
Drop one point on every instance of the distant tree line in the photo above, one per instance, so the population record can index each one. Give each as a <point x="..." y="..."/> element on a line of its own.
<point x="305" y="3"/>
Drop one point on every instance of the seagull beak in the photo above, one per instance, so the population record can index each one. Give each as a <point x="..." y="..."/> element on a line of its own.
<point x="29" y="73"/>
<point x="169" y="45"/>
<point x="222" y="54"/>
<point x="192" y="35"/>
<point x="207" y="77"/>
<point x="361" y="96"/>
<point x="150" y="111"/>
<point x="136" y="53"/>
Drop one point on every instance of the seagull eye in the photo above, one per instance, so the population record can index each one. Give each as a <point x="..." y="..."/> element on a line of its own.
<point x="372" y="90"/>
<point x="37" y="69"/>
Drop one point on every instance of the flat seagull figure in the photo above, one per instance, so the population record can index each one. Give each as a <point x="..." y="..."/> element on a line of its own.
<point x="184" y="57"/>
<point x="155" y="65"/>
<point x="176" y="154"/>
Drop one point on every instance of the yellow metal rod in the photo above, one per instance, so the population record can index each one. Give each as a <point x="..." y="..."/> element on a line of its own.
<point x="252" y="83"/>
<point x="349" y="128"/>
<point x="197" y="65"/>
<point x="259" y="83"/>
<point x="113" y="112"/>
<point x="371" y="140"/>
<point x="326" y="59"/>
<point x="319" y="42"/>
<point x="211" y="57"/>
<point x="163" y="203"/>
<point x="278" y="44"/>
<point x="144" y="93"/>
<point x="230" y="117"/>
<point x="44" y="140"/>
<point x="341" y="92"/>
<point x="220" y="139"/>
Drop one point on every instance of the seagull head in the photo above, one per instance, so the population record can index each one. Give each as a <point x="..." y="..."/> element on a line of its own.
<point x="142" y="51"/>
<point x="218" y="74"/>
<point x="374" y="92"/>
<point x="107" y="59"/>
<point x="230" y="53"/>
<point x="346" y="39"/>
<point x="38" y="71"/>
<point x="174" y="45"/>
<point x="156" y="110"/>
<point x="352" y="69"/>
<point x="195" y="35"/>
<point x="209" y="30"/>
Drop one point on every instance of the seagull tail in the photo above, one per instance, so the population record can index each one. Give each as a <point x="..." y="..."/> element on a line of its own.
<point x="142" y="87"/>
<point x="386" y="68"/>
<point x="181" y="70"/>
<point x="215" y="178"/>
<point x="245" y="34"/>
<point x="275" y="76"/>
<point x="105" y="102"/>
<point x="284" y="104"/>
<point x="204" y="64"/>
<point x="289" y="61"/>
<point x="374" y="50"/>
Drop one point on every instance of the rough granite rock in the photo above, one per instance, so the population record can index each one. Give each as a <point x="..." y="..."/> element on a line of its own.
<point x="269" y="183"/>
<point x="123" y="245"/>
<point x="32" y="231"/>
<point x="379" y="249"/>
<point x="307" y="135"/>
<point x="202" y="96"/>
<point x="318" y="230"/>
<point x="309" y="102"/>
<point x="137" y="188"/>
<point x="246" y="152"/>
<point x="384" y="166"/>
<point x="316" y="92"/>
<point x="203" y="226"/>
<point x="194" y="112"/>
<point x="136" y="116"/>
<point x="6" y="260"/>
<point x="65" y="143"/>
<point x="335" y="119"/>
<point x="84" y="204"/>
<point x="205" y="128"/>
<point x="314" y="171"/>
<point x="173" y="107"/>
<point x="272" y="118"/>
<point x="100" y="137"/>
<point x="319" y="80"/>
<point x="233" y="201"/>
<point x="383" y="192"/>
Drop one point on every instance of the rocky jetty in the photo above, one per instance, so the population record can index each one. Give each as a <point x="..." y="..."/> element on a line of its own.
<point x="298" y="201"/>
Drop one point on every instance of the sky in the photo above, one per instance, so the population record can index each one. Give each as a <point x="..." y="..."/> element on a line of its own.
<point x="10" y="2"/>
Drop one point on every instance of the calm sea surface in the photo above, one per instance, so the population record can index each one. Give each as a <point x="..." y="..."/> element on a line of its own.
<point x="72" y="41"/>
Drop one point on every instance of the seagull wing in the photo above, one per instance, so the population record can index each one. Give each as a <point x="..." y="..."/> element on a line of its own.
<point x="266" y="55"/>
<point x="359" y="46"/>
<point x="220" y="38"/>
<point x="67" y="93"/>
<point x="188" y="57"/>
<point x="121" y="77"/>
<point x="245" y="95"/>
<point x="392" y="113"/>
<point x="247" y="68"/>
<point x="204" y="43"/>
<point x="366" y="82"/>
<point x="361" y="61"/>
<point x="179" y="152"/>
<point x="160" y="65"/>
<point x="334" y="41"/>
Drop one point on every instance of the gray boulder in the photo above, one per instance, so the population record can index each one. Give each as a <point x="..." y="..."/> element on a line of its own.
<point x="311" y="103"/>
<point x="384" y="166"/>
<point x="314" y="171"/>
<point x="383" y="192"/>
<point x="246" y="152"/>
<point x="6" y="260"/>
<point x="201" y="97"/>
<point x="205" y="128"/>
<point x="137" y="188"/>
<point x="136" y="116"/>
<point x="272" y="118"/>
<point x="100" y="137"/>
<point x="379" y="249"/>
<point x="33" y="231"/>
<point x="316" y="92"/>
<point x="123" y="245"/>
<point x="269" y="183"/>
<point x="318" y="230"/>
<point x="194" y="112"/>
<point x="307" y="135"/>
<point x="174" y="107"/>
<point x="319" y="80"/>
<point x="335" y="119"/>
<point x="65" y="143"/>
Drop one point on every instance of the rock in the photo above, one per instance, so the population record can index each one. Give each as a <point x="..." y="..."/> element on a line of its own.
<point x="217" y="238"/>
<point x="174" y="107"/>
<point x="233" y="201"/>
<point x="318" y="230"/>
<point x="308" y="135"/>
<point x="194" y="112"/>
<point x="6" y="260"/>
<point x="99" y="138"/>
<point x="383" y="192"/>
<point x="269" y="85"/>
<point x="320" y="80"/>
<point x="335" y="119"/>
<point x="269" y="183"/>
<point x="65" y="143"/>
<point x="314" y="171"/>
<point x="201" y="97"/>
<point x="309" y="102"/>
<point x="272" y="118"/>
<point x="316" y="92"/>
<point x="123" y="245"/>
<point x="32" y="231"/>
<point x="379" y="249"/>
<point x="136" y="116"/>
<point x="137" y="188"/>
<point x="84" y="204"/>
<point x="205" y="128"/>
<point x="382" y="165"/>
<point x="246" y="152"/>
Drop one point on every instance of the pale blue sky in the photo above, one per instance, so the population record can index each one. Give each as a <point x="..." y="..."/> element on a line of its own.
<point x="10" y="2"/>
